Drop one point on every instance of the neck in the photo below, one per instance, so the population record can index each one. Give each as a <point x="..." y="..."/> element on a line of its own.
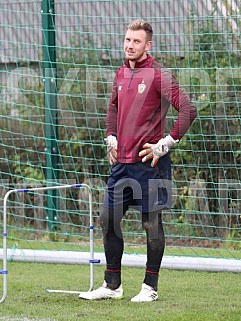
<point x="132" y="64"/>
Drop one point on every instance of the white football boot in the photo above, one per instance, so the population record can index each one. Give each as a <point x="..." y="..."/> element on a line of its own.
<point x="103" y="292"/>
<point x="147" y="294"/>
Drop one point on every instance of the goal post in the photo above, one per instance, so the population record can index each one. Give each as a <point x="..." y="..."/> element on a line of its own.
<point x="92" y="260"/>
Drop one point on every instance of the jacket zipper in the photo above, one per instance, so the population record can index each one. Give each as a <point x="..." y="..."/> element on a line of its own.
<point x="132" y="74"/>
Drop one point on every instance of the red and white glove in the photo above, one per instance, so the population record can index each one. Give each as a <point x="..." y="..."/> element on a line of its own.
<point x="111" y="143"/>
<point x="157" y="150"/>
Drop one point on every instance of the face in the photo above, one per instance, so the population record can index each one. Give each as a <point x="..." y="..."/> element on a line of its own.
<point x="136" y="45"/>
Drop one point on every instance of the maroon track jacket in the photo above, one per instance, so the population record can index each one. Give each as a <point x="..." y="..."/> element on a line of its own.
<point x="138" y="107"/>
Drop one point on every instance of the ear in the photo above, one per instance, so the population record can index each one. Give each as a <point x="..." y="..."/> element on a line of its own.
<point x="148" y="45"/>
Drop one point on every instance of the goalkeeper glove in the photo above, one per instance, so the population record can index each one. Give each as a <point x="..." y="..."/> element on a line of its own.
<point x="157" y="150"/>
<point x="111" y="143"/>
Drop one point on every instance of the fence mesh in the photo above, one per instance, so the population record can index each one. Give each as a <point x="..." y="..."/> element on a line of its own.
<point x="199" y="41"/>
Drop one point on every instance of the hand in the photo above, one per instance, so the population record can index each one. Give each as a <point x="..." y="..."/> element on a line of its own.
<point x="111" y="143"/>
<point x="157" y="150"/>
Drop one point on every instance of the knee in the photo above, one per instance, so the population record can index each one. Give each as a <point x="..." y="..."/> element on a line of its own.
<point x="110" y="221"/>
<point x="152" y="222"/>
<point x="147" y="226"/>
<point x="104" y="219"/>
<point x="154" y="230"/>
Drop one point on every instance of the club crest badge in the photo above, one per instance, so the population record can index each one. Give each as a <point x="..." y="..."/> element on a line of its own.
<point x="141" y="87"/>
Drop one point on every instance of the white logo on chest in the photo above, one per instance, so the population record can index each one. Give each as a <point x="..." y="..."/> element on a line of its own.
<point x="141" y="87"/>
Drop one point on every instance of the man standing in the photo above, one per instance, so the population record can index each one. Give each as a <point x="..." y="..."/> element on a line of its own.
<point x="139" y="155"/>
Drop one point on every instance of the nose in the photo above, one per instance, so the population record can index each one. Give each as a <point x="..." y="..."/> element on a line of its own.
<point x="130" y="45"/>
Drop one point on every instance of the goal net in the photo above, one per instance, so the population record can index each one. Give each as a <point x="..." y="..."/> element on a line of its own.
<point x="57" y="63"/>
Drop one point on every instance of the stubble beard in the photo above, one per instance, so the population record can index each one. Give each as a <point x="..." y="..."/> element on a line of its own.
<point x="136" y="58"/>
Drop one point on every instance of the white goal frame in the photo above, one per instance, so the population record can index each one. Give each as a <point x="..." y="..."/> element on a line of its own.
<point x="92" y="260"/>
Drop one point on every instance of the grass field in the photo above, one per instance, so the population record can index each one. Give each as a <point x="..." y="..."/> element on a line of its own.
<point x="183" y="295"/>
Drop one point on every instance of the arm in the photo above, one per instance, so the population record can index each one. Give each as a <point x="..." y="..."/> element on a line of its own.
<point x="111" y="117"/>
<point x="170" y="90"/>
<point x="111" y="126"/>
<point x="175" y="95"/>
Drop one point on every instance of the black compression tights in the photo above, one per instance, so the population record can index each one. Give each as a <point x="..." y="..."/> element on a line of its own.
<point x="114" y="245"/>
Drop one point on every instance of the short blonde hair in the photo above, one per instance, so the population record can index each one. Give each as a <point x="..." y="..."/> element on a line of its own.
<point x="140" y="24"/>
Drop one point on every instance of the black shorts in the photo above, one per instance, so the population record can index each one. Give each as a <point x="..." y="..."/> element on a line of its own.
<point x="140" y="186"/>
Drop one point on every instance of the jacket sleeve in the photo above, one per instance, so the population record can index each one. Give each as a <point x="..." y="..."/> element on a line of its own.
<point x="111" y="117"/>
<point x="175" y="95"/>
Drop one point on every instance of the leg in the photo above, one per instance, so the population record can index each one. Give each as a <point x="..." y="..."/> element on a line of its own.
<point x="113" y="244"/>
<point x="152" y="223"/>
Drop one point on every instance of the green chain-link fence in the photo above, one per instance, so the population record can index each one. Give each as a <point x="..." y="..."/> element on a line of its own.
<point x="57" y="61"/>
